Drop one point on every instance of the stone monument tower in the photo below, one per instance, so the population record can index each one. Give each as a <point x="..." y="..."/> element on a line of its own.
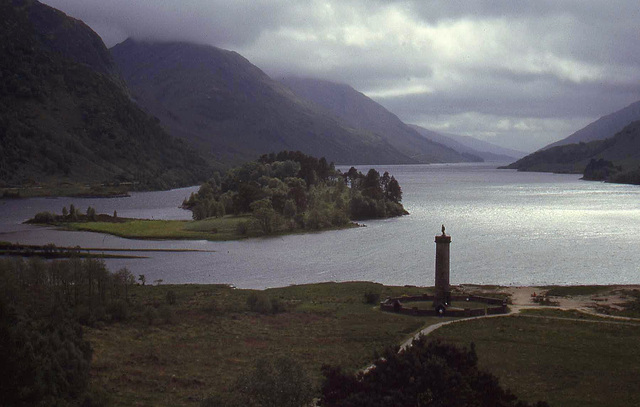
<point x="443" y="291"/>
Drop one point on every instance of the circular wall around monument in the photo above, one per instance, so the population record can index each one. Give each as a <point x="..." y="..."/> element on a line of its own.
<point x="495" y="306"/>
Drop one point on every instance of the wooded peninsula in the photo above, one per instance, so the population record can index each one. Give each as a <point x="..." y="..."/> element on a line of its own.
<point x="287" y="192"/>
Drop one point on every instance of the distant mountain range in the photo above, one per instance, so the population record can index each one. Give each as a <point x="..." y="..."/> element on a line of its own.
<point x="225" y="105"/>
<point x="73" y="111"/>
<point x="360" y="112"/>
<point x="469" y="145"/>
<point x="66" y="114"/>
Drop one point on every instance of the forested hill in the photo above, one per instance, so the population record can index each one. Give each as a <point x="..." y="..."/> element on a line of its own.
<point x="56" y="32"/>
<point x="66" y="114"/>
<point x="292" y="191"/>
<point x="361" y="112"/>
<point x="616" y="159"/>
<point x="222" y="103"/>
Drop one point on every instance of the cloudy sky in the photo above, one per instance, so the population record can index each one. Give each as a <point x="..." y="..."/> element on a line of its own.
<point x="520" y="74"/>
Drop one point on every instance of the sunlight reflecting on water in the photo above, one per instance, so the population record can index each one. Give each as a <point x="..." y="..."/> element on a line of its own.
<point x="507" y="228"/>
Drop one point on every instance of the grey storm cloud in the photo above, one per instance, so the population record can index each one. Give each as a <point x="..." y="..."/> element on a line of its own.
<point x="520" y="73"/>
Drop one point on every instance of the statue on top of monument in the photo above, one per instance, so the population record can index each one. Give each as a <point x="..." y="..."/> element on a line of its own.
<point x="443" y="234"/>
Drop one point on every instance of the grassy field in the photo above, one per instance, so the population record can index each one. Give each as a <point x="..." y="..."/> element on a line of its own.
<point x="569" y="291"/>
<point x="215" y="229"/>
<point x="567" y="314"/>
<point x="225" y="228"/>
<point x="212" y="338"/>
<point x="567" y="363"/>
<point x="177" y="354"/>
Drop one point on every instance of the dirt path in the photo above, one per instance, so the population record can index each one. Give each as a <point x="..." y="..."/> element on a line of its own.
<point x="523" y="298"/>
<point x="426" y="331"/>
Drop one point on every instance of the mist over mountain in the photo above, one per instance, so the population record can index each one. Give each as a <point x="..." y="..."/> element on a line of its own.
<point x="67" y="115"/>
<point x="56" y="32"/>
<point x="223" y="104"/>
<point x="603" y="128"/>
<point x="470" y="145"/>
<point x="361" y="112"/>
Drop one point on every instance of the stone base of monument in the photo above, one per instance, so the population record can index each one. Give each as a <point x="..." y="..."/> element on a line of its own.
<point x="491" y="306"/>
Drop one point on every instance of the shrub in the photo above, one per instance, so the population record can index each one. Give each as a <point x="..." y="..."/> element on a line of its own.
<point x="150" y="315"/>
<point x="97" y="397"/>
<point x="544" y="300"/>
<point x="45" y="360"/>
<point x="212" y="307"/>
<point x="171" y="297"/>
<point x="428" y="373"/>
<point x="282" y="382"/>
<point x="84" y="315"/>
<point x="259" y="303"/>
<point x="371" y="298"/>
<point x="242" y="228"/>
<point x="276" y="306"/>
<point x="44" y="217"/>
<point x="119" y="310"/>
<point x="166" y="314"/>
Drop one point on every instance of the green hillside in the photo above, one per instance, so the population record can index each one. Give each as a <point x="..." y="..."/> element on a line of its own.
<point x="220" y="102"/>
<point x="67" y="115"/>
<point x="616" y="159"/>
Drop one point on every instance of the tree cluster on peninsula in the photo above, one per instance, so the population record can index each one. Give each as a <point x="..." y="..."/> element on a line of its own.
<point x="290" y="190"/>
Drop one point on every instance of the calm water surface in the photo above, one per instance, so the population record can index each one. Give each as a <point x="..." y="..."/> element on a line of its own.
<point x="507" y="228"/>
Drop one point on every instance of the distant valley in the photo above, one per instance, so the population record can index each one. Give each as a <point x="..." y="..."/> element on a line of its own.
<point x="360" y="112"/>
<point x="468" y="145"/>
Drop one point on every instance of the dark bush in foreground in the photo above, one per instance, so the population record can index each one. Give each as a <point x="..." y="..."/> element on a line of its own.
<point x="260" y="303"/>
<point x="45" y="360"/>
<point x="280" y="382"/>
<point x="171" y="297"/>
<point x="429" y="373"/>
<point x="371" y="298"/>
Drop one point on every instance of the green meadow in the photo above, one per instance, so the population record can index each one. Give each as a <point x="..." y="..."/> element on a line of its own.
<point x="563" y="361"/>
<point x="183" y="343"/>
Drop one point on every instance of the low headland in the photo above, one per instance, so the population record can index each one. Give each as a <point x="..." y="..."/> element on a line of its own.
<point x="224" y="228"/>
<point x="278" y="194"/>
<point x="69" y="189"/>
